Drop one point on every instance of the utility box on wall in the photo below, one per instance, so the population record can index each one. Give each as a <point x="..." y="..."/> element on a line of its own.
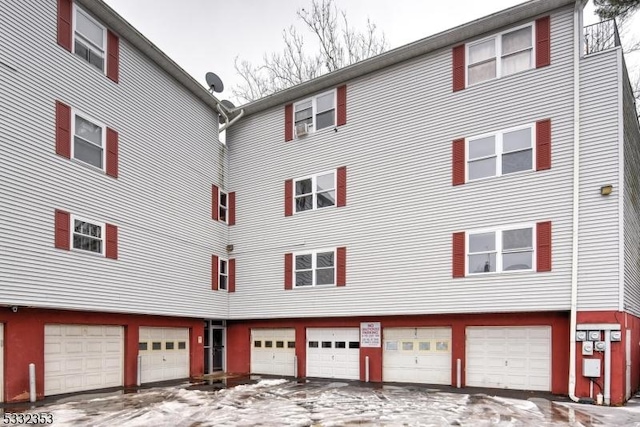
<point x="591" y="368"/>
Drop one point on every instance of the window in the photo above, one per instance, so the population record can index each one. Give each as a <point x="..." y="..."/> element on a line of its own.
<point x="315" y="113"/>
<point x="326" y="344"/>
<point x="182" y="345"/>
<point x="257" y="344"/>
<point x="142" y="346"/>
<point x="169" y="345"/>
<point x="268" y="344"/>
<point x="501" y="250"/>
<point x="87" y="235"/>
<point x="279" y="344"/>
<point x="88" y="141"/>
<point x="500" y="55"/>
<point x="315" y="192"/>
<point x="89" y="39"/>
<point x="313" y="344"/>
<point x="223" y="274"/>
<point x="341" y="344"/>
<point x="315" y="268"/>
<point x="354" y="344"/>
<point x="223" y="206"/>
<point x="500" y="153"/>
<point x="156" y="346"/>
<point x="291" y="344"/>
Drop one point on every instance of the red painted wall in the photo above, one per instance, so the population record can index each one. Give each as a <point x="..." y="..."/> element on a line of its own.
<point x="239" y="335"/>
<point x="24" y="343"/>
<point x="618" y="356"/>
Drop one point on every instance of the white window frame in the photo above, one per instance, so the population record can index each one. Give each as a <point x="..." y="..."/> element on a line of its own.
<point x="223" y="207"/>
<point x="103" y="138"/>
<point x="499" y="251"/>
<point x="314" y="111"/>
<point x="88" y="43"/>
<point x="314" y="267"/>
<point x="103" y="231"/>
<point x="499" y="152"/>
<point x="314" y="190"/>
<point x="498" y="49"/>
<point x="221" y="274"/>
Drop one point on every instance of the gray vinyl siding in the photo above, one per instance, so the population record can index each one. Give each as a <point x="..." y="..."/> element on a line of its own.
<point x="599" y="238"/>
<point x="161" y="202"/>
<point x="401" y="207"/>
<point x="631" y="200"/>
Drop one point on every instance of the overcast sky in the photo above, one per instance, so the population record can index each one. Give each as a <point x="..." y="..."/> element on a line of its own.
<point x="206" y="35"/>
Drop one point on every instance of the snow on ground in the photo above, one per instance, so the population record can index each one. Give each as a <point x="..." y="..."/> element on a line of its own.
<point x="288" y="403"/>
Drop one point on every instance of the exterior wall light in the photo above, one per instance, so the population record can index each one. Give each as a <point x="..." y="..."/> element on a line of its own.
<point x="605" y="190"/>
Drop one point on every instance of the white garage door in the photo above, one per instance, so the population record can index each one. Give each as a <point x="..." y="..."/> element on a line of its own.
<point x="417" y="355"/>
<point x="333" y="353"/>
<point x="509" y="357"/>
<point x="164" y="354"/>
<point x="82" y="357"/>
<point x="273" y="351"/>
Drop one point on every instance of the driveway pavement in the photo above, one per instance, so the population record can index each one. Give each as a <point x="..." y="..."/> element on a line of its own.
<point x="278" y="402"/>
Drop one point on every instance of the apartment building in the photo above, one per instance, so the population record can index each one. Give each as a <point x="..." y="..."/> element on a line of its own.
<point x="462" y="210"/>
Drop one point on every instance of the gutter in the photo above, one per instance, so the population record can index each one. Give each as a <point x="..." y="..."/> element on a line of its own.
<point x="577" y="37"/>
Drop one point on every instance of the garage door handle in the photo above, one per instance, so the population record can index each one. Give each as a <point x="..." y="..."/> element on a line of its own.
<point x="416" y="360"/>
<point x="506" y="363"/>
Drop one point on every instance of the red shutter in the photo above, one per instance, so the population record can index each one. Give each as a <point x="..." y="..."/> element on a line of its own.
<point x="341" y="264"/>
<point x="543" y="145"/>
<point x="62" y="229"/>
<point x="65" y="11"/>
<point x="342" y="186"/>
<point x="111" y="248"/>
<point x="288" y="197"/>
<point x="288" y="271"/>
<point x="63" y="130"/>
<point x="458" y="68"/>
<point x="543" y="243"/>
<point x="214" y="272"/>
<point x="231" y="200"/>
<point x="215" y="203"/>
<point x="458" y="162"/>
<point x="458" y="254"/>
<point x="342" y="105"/>
<point x="113" y="56"/>
<point x="232" y="275"/>
<point x="288" y="122"/>
<point x="543" y="42"/>
<point x="112" y="153"/>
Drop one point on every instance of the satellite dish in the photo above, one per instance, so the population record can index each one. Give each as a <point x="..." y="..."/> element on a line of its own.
<point x="228" y="104"/>
<point x="214" y="82"/>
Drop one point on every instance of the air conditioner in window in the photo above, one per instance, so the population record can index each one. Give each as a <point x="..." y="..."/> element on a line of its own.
<point x="302" y="129"/>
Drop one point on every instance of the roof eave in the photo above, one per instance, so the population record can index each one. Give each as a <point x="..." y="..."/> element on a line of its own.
<point x="429" y="44"/>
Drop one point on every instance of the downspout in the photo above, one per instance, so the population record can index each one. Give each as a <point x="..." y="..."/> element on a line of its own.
<point x="577" y="30"/>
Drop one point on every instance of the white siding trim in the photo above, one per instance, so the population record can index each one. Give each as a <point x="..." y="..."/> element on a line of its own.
<point x="621" y="183"/>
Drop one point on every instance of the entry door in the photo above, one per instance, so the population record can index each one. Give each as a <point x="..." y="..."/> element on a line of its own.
<point x="218" y="349"/>
<point x="1" y="362"/>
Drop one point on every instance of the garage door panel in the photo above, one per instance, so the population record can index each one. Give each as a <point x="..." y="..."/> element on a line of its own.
<point x="274" y="356"/>
<point x="417" y="355"/>
<point x="520" y="360"/>
<point x="76" y="360"/>
<point x="162" y="362"/>
<point x="333" y="353"/>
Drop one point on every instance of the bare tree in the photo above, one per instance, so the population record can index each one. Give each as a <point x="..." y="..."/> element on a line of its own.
<point x="338" y="45"/>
